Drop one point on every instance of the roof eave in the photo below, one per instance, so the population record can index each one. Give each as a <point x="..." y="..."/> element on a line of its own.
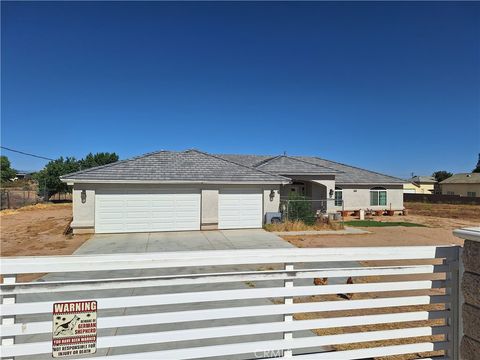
<point x="370" y="183"/>
<point x="72" y="181"/>
<point x="304" y="173"/>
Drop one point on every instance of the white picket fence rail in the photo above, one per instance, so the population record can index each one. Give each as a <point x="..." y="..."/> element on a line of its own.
<point x="243" y="303"/>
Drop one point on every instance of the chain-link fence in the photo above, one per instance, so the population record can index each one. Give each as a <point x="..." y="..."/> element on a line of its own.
<point x="16" y="198"/>
<point x="308" y="210"/>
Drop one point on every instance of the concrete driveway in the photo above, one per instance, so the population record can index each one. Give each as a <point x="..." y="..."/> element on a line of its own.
<point x="182" y="241"/>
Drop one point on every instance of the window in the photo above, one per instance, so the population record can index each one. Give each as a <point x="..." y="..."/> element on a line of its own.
<point x="471" y="193"/>
<point x="378" y="196"/>
<point x="450" y="193"/>
<point x="338" y="196"/>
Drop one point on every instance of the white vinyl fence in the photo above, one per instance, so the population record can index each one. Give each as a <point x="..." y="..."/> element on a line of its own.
<point x="243" y="303"/>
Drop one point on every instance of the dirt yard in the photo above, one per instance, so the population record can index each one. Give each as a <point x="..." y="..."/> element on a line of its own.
<point x="440" y="220"/>
<point x="448" y="211"/>
<point x="38" y="230"/>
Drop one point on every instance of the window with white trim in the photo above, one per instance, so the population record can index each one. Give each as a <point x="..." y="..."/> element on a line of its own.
<point x="378" y="196"/>
<point x="338" y="196"/>
<point x="471" y="193"/>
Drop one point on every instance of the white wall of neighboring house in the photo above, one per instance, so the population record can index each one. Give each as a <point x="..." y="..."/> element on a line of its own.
<point x="460" y="189"/>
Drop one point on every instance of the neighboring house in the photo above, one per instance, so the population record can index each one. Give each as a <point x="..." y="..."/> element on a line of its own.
<point x="465" y="184"/>
<point x="410" y="188"/>
<point x="420" y="185"/>
<point x="193" y="190"/>
<point x="22" y="174"/>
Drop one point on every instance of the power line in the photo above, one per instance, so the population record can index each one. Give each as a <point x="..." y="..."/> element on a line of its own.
<point x="24" y="153"/>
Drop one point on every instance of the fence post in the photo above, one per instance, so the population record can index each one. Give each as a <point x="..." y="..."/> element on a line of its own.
<point x="460" y="302"/>
<point x="8" y="320"/>
<point x="456" y="324"/>
<point x="288" y="317"/>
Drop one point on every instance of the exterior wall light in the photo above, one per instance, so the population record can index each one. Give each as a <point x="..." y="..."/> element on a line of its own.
<point x="83" y="196"/>
<point x="272" y="195"/>
<point x="330" y="193"/>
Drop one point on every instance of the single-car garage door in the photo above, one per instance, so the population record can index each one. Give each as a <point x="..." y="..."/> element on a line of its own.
<point x="118" y="211"/>
<point x="240" y="208"/>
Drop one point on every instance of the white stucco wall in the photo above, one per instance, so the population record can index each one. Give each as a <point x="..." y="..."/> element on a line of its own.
<point x="271" y="205"/>
<point x="209" y="212"/>
<point x="83" y="213"/>
<point x="358" y="197"/>
<point x="325" y="192"/>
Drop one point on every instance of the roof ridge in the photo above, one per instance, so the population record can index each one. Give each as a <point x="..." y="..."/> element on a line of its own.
<point x="356" y="167"/>
<point x="265" y="161"/>
<point x="232" y="162"/>
<point x="310" y="163"/>
<point x="112" y="164"/>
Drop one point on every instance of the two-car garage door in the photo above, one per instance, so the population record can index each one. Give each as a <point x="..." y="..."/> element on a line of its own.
<point x="118" y="211"/>
<point x="149" y="210"/>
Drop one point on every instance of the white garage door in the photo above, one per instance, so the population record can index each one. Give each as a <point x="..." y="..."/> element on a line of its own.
<point x="118" y="211"/>
<point x="240" y="208"/>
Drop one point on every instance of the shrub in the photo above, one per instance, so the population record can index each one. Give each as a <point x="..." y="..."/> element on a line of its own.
<point x="299" y="225"/>
<point x="299" y="208"/>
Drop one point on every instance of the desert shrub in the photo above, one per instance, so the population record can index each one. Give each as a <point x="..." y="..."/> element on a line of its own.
<point x="299" y="225"/>
<point x="300" y="209"/>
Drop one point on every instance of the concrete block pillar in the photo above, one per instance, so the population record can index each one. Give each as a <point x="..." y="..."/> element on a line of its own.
<point x="469" y="332"/>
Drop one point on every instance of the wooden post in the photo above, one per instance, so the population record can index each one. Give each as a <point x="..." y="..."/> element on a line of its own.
<point x="288" y="317"/>
<point x="8" y="320"/>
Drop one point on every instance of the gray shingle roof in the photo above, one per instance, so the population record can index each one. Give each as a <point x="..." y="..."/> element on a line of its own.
<point x="169" y="166"/>
<point x="346" y="174"/>
<point x="247" y="160"/>
<point x="463" y="178"/>
<point x="353" y="175"/>
<point x="423" y="179"/>
<point x="196" y="166"/>
<point x="287" y="165"/>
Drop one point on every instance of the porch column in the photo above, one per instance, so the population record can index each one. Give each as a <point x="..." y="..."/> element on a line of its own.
<point x="329" y="185"/>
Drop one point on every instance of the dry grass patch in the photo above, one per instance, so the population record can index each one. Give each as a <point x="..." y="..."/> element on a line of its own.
<point x="450" y="211"/>
<point x="39" y="206"/>
<point x="301" y="226"/>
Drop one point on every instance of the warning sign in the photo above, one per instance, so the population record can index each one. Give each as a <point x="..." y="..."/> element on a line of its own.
<point x="74" y="328"/>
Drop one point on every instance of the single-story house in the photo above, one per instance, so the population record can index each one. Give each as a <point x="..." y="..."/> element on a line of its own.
<point x="420" y="185"/>
<point x="193" y="190"/>
<point x="464" y="184"/>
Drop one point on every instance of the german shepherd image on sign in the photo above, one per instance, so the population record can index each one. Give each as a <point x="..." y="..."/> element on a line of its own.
<point x="74" y="330"/>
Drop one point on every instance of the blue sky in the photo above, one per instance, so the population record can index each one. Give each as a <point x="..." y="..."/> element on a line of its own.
<point x="392" y="87"/>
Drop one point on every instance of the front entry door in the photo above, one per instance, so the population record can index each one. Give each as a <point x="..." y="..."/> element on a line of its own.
<point x="297" y="189"/>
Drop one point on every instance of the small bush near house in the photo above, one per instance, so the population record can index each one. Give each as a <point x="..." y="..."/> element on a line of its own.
<point x="298" y="208"/>
<point x="299" y="225"/>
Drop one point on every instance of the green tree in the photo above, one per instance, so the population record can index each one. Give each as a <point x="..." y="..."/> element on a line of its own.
<point x="441" y="175"/>
<point x="6" y="172"/>
<point x="49" y="177"/>
<point x="98" y="159"/>
<point x="477" y="168"/>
